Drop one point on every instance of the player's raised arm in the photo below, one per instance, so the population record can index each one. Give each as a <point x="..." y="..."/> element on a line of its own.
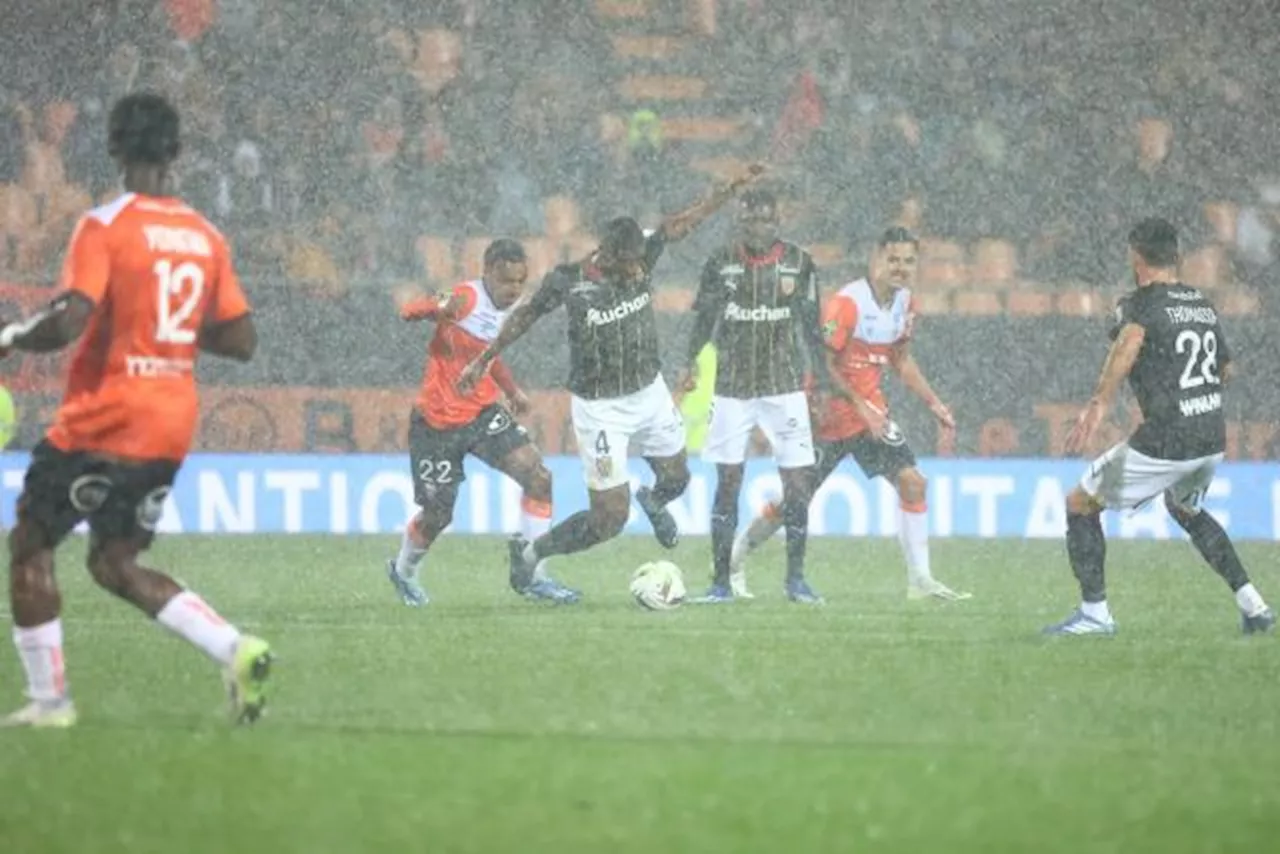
<point x="549" y="296"/>
<point x="680" y="225"/>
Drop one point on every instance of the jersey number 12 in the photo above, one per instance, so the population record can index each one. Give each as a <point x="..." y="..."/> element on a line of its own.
<point x="180" y="289"/>
<point x="1201" y="350"/>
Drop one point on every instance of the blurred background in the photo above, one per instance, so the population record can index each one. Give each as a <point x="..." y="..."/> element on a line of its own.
<point x="356" y="154"/>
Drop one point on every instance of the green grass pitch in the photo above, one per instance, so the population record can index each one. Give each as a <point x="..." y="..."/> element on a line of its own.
<point x="485" y="723"/>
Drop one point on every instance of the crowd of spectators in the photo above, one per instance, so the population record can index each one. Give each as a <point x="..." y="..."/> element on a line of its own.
<point x="330" y="140"/>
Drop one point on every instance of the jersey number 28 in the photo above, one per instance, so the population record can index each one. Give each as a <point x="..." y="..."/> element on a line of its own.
<point x="1201" y="350"/>
<point x="180" y="289"/>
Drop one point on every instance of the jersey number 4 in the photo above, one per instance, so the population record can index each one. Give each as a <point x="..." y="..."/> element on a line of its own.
<point x="180" y="289"/>
<point x="1201" y="350"/>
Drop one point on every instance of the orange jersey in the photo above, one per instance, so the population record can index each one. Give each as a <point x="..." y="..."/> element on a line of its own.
<point x="863" y="335"/>
<point x="156" y="271"/>
<point x="465" y="324"/>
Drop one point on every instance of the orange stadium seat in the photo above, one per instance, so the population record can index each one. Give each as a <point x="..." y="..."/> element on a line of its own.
<point x="1205" y="267"/>
<point x="1028" y="303"/>
<point x="472" y="260"/>
<point x="1080" y="303"/>
<point x="437" y="256"/>
<point x="647" y="47"/>
<point x="623" y="9"/>
<point x="1238" y="302"/>
<point x="942" y="264"/>
<point x="541" y="255"/>
<point x="827" y="254"/>
<point x="720" y="168"/>
<point x="700" y="16"/>
<point x="562" y="216"/>
<point x="673" y="300"/>
<point x="977" y="303"/>
<point x="933" y="302"/>
<point x="703" y="129"/>
<point x="995" y="263"/>
<point x="662" y="87"/>
<point x="1222" y="217"/>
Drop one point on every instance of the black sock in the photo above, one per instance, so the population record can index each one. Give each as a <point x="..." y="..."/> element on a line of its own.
<point x="724" y="525"/>
<point x="667" y="489"/>
<point x="574" y="534"/>
<point x="795" y="517"/>
<point x="1215" y="547"/>
<point x="1087" y="549"/>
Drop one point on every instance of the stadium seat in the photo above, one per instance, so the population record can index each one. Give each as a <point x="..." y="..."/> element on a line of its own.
<point x="542" y="257"/>
<point x="826" y="254"/>
<point x="704" y="129"/>
<point x="622" y="9"/>
<point x="933" y="302"/>
<point x="720" y="168"/>
<point x="942" y="264"/>
<point x="977" y="303"/>
<point x="1080" y="303"/>
<point x="20" y="229"/>
<point x="1238" y="301"/>
<point x="1222" y="216"/>
<point x="647" y="47"/>
<point x="700" y="16"/>
<point x="1205" y="267"/>
<point x="995" y="263"/>
<point x="1021" y="303"/>
<point x="673" y="300"/>
<point x="562" y="217"/>
<point x="472" y="260"/>
<point x="437" y="257"/>
<point x="662" y="87"/>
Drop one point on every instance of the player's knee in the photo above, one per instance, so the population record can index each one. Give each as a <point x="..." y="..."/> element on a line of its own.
<point x="728" y="484"/>
<point x="913" y="486"/>
<point x="109" y="569"/>
<point x="609" y="511"/>
<point x="434" y="518"/>
<point x="1081" y="503"/>
<point x="675" y="481"/>
<point x="1182" y="515"/>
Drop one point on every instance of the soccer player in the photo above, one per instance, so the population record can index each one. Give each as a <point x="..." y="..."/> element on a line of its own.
<point x="758" y="299"/>
<point x="868" y="326"/>
<point x="1168" y="343"/>
<point x="147" y="283"/>
<point x="446" y="425"/>
<point x="618" y="394"/>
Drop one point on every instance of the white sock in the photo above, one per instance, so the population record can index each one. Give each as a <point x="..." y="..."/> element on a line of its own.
<point x="534" y="522"/>
<point x="1096" y="610"/>
<point x="191" y="618"/>
<point x="40" y="648"/>
<point x="411" y="553"/>
<point x="913" y="536"/>
<point x="1250" y="600"/>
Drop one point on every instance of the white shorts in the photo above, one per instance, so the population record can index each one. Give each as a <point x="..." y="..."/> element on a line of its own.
<point x="783" y="418"/>
<point x="606" y="428"/>
<point x="1123" y="478"/>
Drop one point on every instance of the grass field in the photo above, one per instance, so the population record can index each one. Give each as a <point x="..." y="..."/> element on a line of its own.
<point x="488" y="724"/>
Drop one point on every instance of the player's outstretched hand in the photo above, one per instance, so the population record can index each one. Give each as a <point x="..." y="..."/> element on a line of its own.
<point x="519" y="402"/>
<point x="943" y="414"/>
<point x="1086" y="425"/>
<point x="471" y="374"/>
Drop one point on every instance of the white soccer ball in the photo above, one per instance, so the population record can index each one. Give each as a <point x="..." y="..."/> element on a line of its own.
<point x="658" y="586"/>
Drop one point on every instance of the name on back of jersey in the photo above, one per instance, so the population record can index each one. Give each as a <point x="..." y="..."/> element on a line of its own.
<point x="1183" y="314"/>
<point x="175" y="240"/>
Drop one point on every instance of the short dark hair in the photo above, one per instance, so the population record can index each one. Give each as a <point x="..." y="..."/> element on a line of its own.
<point x="144" y="128"/>
<point x="1156" y="242"/>
<point x="758" y="197"/>
<point x="898" y="234"/>
<point x="622" y="233"/>
<point x="504" y="249"/>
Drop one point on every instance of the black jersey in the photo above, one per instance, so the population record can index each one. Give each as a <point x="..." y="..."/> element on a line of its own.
<point x="1177" y="378"/>
<point x="765" y="312"/>
<point x="613" y="334"/>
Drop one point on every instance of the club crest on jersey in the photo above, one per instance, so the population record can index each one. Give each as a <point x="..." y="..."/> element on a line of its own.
<point x="604" y="466"/>
<point x="500" y="421"/>
<point x="787" y="284"/>
<point x="89" y="492"/>
<point x="829" y="330"/>
<point x="893" y="435"/>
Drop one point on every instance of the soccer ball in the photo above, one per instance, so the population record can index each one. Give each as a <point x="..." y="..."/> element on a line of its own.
<point x="658" y="586"/>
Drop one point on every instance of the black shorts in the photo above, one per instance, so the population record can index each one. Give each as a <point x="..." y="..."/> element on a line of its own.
<point x="876" y="457"/>
<point x="435" y="456"/>
<point x="121" y="502"/>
